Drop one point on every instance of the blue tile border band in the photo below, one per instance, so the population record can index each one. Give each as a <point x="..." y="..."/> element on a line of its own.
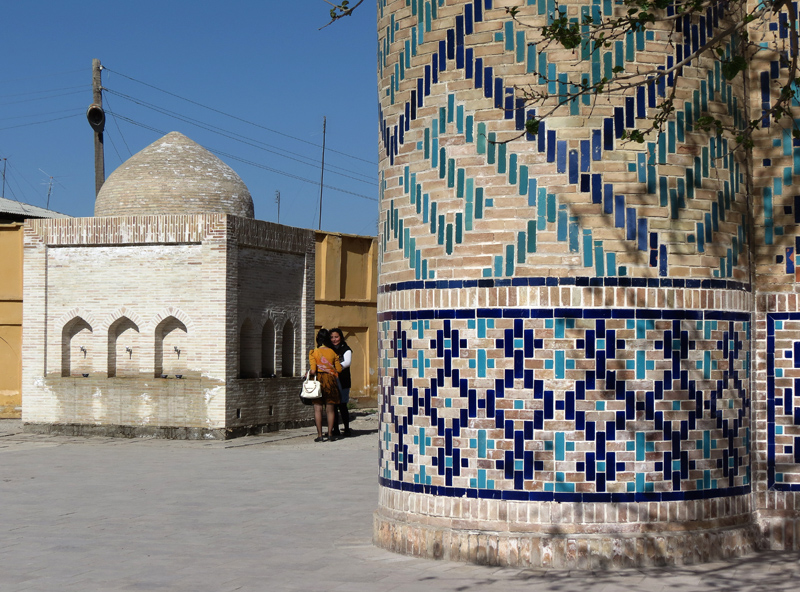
<point x="593" y="282"/>
<point x="537" y="496"/>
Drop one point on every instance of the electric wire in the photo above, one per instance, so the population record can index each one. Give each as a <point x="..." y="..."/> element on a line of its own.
<point x="40" y="76"/>
<point x="73" y="111"/>
<point x="250" y="162"/>
<point x="120" y="135"/>
<point x="39" y="92"/>
<point x="302" y="159"/>
<point x="114" y="145"/>
<point x="39" y="122"/>
<point x="237" y="118"/>
<point x="43" y="98"/>
<point x="12" y="172"/>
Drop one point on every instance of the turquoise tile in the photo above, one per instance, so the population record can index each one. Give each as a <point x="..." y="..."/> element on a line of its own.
<point x="449" y="240"/>
<point x="611" y="264"/>
<point x="573" y="235"/>
<point x="598" y="259"/>
<point x="451" y="102"/>
<point x="559" y="364"/>
<point x="640" y="447"/>
<point x="561" y="228"/>
<point x="532" y="189"/>
<point x="587" y="248"/>
<point x="531" y="246"/>
<point x="508" y="33"/>
<point x="559" y="446"/>
<point x="531" y="63"/>
<point x="481" y="138"/>
<point x="551" y="207"/>
<point x="509" y="260"/>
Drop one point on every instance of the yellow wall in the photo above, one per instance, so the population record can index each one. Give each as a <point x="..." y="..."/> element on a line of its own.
<point x="347" y="297"/>
<point x="10" y="320"/>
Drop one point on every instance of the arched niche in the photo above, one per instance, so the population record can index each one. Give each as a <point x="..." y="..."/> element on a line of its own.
<point x="268" y="349"/>
<point x="249" y="351"/>
<point x="75" y="347"/>
<point x="287" y="350"/>
<point x="123" y="348"/>
<point x="171" y="341"/>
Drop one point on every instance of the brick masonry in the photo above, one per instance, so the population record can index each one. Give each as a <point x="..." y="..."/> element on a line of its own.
<point x="150" y="309"/>
<point x="575" y="368"/>
<point x="174" y="175"/>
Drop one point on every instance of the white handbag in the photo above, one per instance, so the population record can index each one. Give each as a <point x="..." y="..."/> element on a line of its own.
<point x="312" y="389"/>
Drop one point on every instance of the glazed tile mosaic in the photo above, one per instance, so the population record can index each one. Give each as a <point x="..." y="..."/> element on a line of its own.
<point x="570" y="323"/>
<point x="783" y="403"/>
<point x="564" y="405"/>
<point x="454" y="125"/>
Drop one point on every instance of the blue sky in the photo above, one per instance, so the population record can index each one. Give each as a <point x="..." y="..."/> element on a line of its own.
<point x="266" y="63"/>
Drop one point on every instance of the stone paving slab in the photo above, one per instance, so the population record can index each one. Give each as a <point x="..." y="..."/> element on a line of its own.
<point x="273" y="512"/>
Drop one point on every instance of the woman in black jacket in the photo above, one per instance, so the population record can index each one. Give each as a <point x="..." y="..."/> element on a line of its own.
<point x="345" y="357"/>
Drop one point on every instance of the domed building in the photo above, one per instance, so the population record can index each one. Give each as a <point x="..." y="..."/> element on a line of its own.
<point x="174" y="175"/>
<point x="172" y="312"/>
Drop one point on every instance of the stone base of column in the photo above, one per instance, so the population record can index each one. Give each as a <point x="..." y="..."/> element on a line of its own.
<point x="781" y="533"/>
<point x="572" y="551"/>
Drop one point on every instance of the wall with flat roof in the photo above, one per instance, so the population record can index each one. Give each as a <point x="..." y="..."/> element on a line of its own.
<point x="346" y="297"/>
<point x="10" y="320"/>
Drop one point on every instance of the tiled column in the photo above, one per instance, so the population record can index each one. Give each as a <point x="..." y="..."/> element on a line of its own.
<point x="564" y="320"/>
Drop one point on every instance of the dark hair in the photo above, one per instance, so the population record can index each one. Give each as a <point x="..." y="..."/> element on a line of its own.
<point x="324" y="338"/>
<point x="342" y="342"/>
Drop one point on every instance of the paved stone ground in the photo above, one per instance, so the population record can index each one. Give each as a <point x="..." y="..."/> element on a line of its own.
<point x="276" y="512"/>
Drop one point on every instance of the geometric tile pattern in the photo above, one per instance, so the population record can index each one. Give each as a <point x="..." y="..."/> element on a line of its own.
<point x="783" y="401"/>
<point x="442" y="140"/>
<point x="592" y="405"/>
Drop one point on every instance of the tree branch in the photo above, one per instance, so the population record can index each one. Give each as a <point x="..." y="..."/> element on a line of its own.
<point x="340" y="10"/>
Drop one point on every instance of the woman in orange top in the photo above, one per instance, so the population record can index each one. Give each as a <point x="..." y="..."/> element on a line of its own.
<point x="325" y="365"/>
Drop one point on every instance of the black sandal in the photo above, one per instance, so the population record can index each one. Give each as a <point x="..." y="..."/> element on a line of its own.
<point x="319" y="439"/>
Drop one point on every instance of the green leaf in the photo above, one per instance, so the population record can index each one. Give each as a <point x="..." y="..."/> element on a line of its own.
<point x="532" y="126"/>
<point x="732" y="67"/>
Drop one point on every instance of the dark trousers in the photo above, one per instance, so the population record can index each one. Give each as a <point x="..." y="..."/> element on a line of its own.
<point x="341" y="410"/>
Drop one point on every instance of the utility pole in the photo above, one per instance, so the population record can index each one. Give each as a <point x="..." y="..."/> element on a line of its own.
<point x="49" y="191"/>
<point x="278" y="201"/>
<point x="97" y="119"/>
<point x="322" y="171"/>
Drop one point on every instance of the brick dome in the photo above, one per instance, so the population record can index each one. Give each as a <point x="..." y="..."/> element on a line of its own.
<point x="174" y="175"/>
